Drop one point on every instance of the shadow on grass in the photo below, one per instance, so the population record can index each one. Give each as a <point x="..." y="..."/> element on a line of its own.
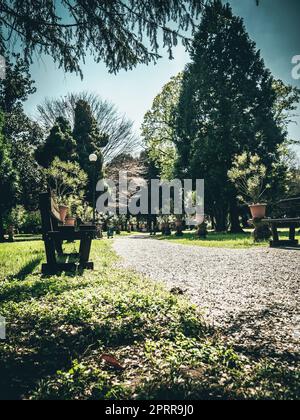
<point x="53" y="348"/>
<point x="27" y="269"/>
<point x="21" y="370"/>
<point x="20" y="292"/>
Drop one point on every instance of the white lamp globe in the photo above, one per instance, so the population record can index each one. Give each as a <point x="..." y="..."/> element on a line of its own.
<point x="93" y="157"/>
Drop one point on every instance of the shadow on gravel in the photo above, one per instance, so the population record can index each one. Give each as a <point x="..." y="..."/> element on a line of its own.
<point x="288" y="248"/>
<point x="256" y="335"/>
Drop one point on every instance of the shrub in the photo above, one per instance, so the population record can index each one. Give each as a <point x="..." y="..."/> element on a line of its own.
<point x="24" y="221"/>
<point x="32" y="223"/>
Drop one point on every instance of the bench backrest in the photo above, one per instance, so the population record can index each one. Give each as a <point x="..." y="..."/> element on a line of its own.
<point x="49" y="213"/>
<point x="289" y="207"/>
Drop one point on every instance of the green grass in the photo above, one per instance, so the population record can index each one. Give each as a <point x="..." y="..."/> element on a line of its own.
<point x="59" y="327"/>
<point x="220" y="240"/>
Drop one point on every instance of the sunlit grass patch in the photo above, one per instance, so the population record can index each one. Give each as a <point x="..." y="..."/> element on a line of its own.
<point x="221" y="240"/>
<point x="59" y="328"/>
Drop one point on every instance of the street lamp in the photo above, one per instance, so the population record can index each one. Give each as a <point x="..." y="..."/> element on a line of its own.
<point x="93" y="159"/>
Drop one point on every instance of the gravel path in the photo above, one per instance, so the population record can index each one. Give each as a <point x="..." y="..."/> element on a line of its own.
<point x="252" y="295"/>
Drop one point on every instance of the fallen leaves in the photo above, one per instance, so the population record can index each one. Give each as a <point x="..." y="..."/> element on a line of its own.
<point x="112" y="361"/>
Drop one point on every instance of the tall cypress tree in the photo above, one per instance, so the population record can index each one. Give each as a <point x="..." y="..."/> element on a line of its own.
<point x="89" y="140"/>
<point x="226" y="107"/>
<point x="60" y="143"/>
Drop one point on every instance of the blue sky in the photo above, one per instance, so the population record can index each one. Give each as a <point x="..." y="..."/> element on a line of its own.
<point x="274" y="26"/>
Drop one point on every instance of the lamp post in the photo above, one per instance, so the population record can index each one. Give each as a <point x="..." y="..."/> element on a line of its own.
<point x="93" y="159"/>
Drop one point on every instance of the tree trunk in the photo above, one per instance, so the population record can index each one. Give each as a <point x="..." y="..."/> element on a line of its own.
<point x="213" y="224"/>
<point x="245" y="218"/>
<point x="220" y="219"/>
<point x="1" y="229"/>
<point x="235" y="226"/>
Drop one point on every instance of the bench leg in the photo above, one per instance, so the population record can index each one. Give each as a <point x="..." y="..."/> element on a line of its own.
<point x="85" y="249"/>
<point x="292" y="233"/>
<point x="58" y="246"/>
<point x="51" y="265"/>
<point x="275" y="235"/>
<point x="291" y="242"/>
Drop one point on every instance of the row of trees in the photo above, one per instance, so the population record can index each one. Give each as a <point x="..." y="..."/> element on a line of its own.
<point x="114" y="32"/>
<point x="67" y="130"/>
<point x="225" y="103"/>
<point x="19" y="173"/>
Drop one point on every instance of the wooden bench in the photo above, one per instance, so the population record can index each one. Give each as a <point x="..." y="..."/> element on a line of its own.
<point x="290" y="217"/>
<point x="54" y="233"/>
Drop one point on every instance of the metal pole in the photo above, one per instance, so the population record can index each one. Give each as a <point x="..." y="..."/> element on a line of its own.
<point x="94" y="194"/>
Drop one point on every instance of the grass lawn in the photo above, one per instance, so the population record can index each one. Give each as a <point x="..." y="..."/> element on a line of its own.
<point x="220" y="240"/>
<point x="61" y="329"/>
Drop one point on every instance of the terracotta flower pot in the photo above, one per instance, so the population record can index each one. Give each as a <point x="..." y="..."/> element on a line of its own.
<point x="70" y="221"/>
<point x="63" y="211"/>
<point x="258" y="211"/>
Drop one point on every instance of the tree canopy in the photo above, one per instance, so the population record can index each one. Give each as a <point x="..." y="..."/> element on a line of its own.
<point x="159" y="125"/>
<point x="60" y="143"/>
<point x="89" y="139"/>
<point x="17" y="84"/>
<point x="22" y="135"/>
<point x="229" y="104"/>
<point x="121" y="138"/>
<point x="121" y="33"/>
<point x="8" y="178"/>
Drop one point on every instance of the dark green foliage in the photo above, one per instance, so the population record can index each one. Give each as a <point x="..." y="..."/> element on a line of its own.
<point x="109" y="120"/>
<point x="89" y="140"/>
<point x="75" y="145"/>
<point x="60" y="143"/>
<point x="122" y="34"/>
<point x="24" y="135"/>
<point x="24" y="221"/>
<point x="17" y="85"/>
<point x="158" y="128"/>
<point x="21" y="133"/>
<point x="151" y="171"/>
<point x="8" y="178"/>
<point x="31" y="178"/>
<point x="227" y="106"/>
<point x="32" y="223"/>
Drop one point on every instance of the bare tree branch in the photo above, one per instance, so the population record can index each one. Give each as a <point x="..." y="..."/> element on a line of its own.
<point x="119" y="129"/>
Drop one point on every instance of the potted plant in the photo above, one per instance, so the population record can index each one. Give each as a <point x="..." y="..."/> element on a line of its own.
<point x="179" y="226"/>
<point x="68" y="182"/>
<point x="248" y="174"/>
<point x="75" y="207"/>
<point x="70" y="221"/>
<point x="63" y="211"/>
<point x="165" y="226"/>
<point x="202" y="230"/>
